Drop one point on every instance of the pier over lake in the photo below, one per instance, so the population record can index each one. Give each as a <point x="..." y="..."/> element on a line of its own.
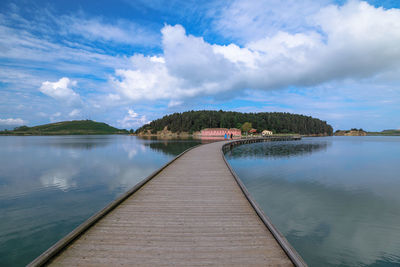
<point x="193" y="211"/>
<point x="195" y="201"/>
<point x="335" y="199"/>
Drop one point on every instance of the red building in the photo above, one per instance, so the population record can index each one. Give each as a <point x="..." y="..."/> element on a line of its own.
<point x="220" y="132"/>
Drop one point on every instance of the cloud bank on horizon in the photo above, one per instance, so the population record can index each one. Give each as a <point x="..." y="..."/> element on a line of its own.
<point x="336" y="61"/>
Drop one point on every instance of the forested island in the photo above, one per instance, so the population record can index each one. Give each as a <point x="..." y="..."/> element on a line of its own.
<point x="352" y="132"/>
<point x="191" y="122"/>
<point x="66" y="128"/>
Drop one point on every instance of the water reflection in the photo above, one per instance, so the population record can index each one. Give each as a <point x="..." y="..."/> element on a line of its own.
<point x="79" y="142"/>
<point x="338" y="205"/>
<point x="85" y="142"/>
<point x="49" y="185"/>
<point x="343" y="227"/>
<point x="171" y="148"/>
<point x="277" y="149"/>
<point x="61" y="178"/>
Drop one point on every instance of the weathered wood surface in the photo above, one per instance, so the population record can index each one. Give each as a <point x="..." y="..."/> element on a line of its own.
<point x="193" y="213"/>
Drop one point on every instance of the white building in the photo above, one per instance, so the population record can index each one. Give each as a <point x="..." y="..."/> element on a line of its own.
<point x="266" y="132"/>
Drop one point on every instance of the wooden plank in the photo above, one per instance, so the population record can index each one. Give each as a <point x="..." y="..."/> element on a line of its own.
<point x="191" y="213"/>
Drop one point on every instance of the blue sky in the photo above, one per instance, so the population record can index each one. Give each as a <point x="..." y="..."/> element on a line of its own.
<point x="129" y="62"/>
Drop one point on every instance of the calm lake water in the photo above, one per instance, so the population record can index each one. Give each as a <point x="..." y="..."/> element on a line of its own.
<point x="49" y="185"/>
<point x="336" y="199"/>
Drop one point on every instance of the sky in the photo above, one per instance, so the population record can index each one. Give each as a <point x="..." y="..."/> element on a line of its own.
<point x="129" y="62"/>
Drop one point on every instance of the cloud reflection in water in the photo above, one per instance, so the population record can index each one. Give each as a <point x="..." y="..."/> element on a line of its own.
<point x="335" y="199"/>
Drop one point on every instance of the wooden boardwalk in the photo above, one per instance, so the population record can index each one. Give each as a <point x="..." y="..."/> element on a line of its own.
<point x="193" y="213"/>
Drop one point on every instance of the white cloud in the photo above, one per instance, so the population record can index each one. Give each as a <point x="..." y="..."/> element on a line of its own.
<point x="148" y="79"/>
<point x="11" y="121"/>
<point x="251" y="20"/>
<point x="189" y="67"/>
<point x="124" y="32"/>
<point x="29" y="51"/>
<point x="174" y="103"/>
<point x="75" y="113"/>
<point x="42" y="114"/>
<point x="48" y="44"/>
<point x="61" y="90"/>
<point x="353" y="41"/>
<point x="55" y="117"/>
<point x="238" y="55"/>
<point x="132" y="120"/>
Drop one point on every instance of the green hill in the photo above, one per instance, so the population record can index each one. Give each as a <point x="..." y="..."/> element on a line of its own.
<point x="67" y="128"/>
<point x="386" y="132"/>
<point x="278" y="122"/>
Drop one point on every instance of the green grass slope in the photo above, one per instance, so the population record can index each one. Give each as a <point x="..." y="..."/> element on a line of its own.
<point x="67" y="128"/>
<point x="386" y="132"/>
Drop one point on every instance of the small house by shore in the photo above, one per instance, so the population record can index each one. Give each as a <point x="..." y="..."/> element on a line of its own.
<point x="266" y="132"/>
<point x="253" y="131"/>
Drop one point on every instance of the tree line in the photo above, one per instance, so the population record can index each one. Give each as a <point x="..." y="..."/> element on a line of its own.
<point x="277" y="122"/>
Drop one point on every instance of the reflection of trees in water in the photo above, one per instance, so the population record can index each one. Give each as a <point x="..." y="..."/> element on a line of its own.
<point x="75" y="142"/>
<point x="172" y="147"/>
<point x="276" y="149"/>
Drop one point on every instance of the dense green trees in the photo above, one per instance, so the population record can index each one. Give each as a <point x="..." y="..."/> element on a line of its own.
<point x="277" y="122"/>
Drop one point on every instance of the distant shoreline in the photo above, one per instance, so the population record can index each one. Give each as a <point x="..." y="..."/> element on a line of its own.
<point x="382" y="134"/>
<point x="78" y="127"/>
<point x="59" y="134"/>
<point x="360" y="132"/>
<point x="180" y="136"/>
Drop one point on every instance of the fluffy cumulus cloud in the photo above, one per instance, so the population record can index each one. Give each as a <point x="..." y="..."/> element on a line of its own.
<point x="148" y="79"/>
<point x="61" y="91"/>
<point x="11" y="121"/>
<point x="189" y="67"/>
<point x="132" y="120"/>
<point x="353" y="41"/>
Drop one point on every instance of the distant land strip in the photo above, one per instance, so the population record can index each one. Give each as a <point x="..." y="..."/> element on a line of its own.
<point x="191" y="123"/>
<point x="361" y="132"/>
<point x="82" y="127"/>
